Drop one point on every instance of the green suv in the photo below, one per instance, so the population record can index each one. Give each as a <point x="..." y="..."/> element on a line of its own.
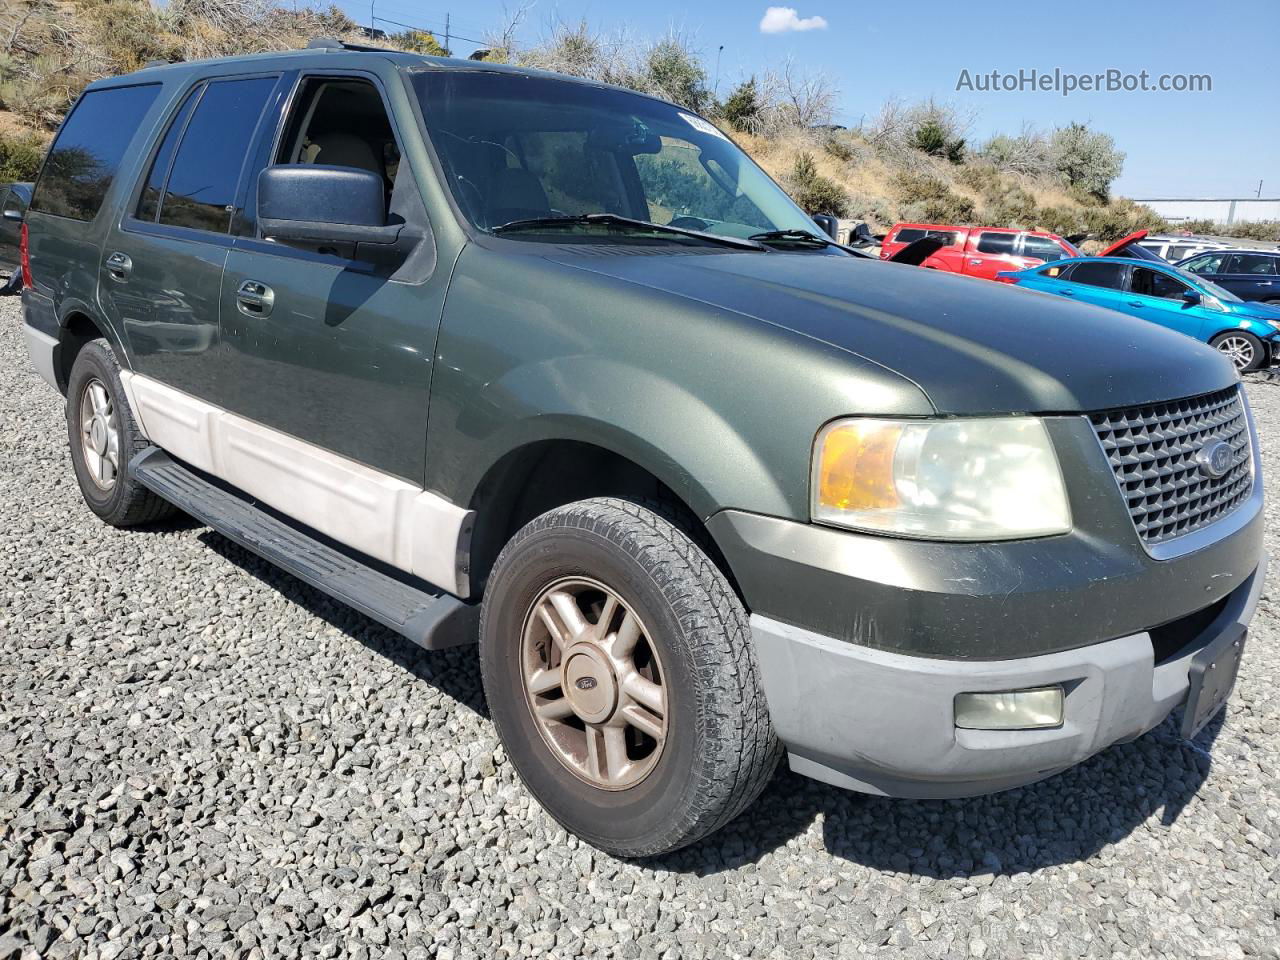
<point x="496" y="355"/>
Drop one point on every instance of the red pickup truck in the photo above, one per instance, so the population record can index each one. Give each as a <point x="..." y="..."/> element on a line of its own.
<point x="980" y="251"/>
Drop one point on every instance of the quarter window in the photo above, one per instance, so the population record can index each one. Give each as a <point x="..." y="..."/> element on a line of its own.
<point x="1099" y="274"/>
<point x="1042" y="248"/>
<point x="201" y="189"/>
<point x="87" y="152"/>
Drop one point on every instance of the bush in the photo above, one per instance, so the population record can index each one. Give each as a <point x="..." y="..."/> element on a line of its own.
<point x="673" y="71"/>
<point x="1085" y="159"/>
<point x="20" y="157"/>
<point x="1027" y="153"/>
<point x="420" y="41"/>
<point x="910" y="187"/>
<point x="742" y="108"/>
<point x="931" y="137"/>
<point x="814" y="192"/>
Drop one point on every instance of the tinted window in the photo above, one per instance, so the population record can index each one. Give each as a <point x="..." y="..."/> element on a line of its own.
<point x="1099" y="274"/>
<point x="908" y="235"/>
<point x="1042" y="248"/>
<point x="1209" y="263"/>
<point x="149" y="202"/>
<point x="996" y="242"/>
<point x="1178" y="253"/>
<point x="201" y="190"/>
<point x="1255" y="264"/>
<point x="912" y="234"/>
<point x="87" y="152"/>
<point x="1152" y="283"/>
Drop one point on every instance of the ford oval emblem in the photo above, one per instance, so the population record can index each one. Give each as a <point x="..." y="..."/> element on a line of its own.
<point x="1214" y="458"/>
<point x="585" y="683"/>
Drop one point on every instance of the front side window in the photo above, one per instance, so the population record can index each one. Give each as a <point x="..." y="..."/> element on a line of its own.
<point x="1208" y="264"/>
<point x="1252" y="264"/>
<point x="527" y="148"/>
<point x="88" y="150"/>
<point x="997" y="243"/>
<point x="1153" y="283"/>
<point x="1099" y="274"/>
<point x="200" y="191"/>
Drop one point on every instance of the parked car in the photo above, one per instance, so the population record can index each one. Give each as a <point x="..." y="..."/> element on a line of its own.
<point x="980" y="251"/>
<point x="1247" y="333"/>
<point x="1249" y="274"/>
<point x="14" y="198"/>
<point x="1173" y="248"/>
<point x="493" y="354"/>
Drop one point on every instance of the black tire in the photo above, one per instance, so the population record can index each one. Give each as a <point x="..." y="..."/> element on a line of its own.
<point x="1259" y="352"/>
<point x="720" y="748"/>
<point x="126" y="503"/>
<point x="13" y="284"/>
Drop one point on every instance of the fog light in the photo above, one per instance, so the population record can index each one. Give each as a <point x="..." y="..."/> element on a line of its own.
<point x="1010" y="710"/>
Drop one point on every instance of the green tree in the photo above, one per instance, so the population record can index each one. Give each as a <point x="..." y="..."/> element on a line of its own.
<point x="1086" y="159"/>
<point x="420" y="41"/>
<point x="742" y="108"/>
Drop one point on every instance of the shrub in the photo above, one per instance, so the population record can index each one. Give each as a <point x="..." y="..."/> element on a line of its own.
<point x="1027" y="153"/>
<point x="910" y="187"/>
<point x="1085" y="159"/>
<point x="814" y="192"/>
<point x="673" y="70"/>
<point x="20" y="157"/>
<point x="420" y="41"/>
<point x="742" y="108"/>
<point x="931" y="137"/>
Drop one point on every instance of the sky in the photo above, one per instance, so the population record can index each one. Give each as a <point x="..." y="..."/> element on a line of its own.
<point x="1211" y="143"/>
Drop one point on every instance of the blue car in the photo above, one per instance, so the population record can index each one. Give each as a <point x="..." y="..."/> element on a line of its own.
<point x="1247" y="333"/>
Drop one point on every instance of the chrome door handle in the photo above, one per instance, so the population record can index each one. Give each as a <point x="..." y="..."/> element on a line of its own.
<point x="119" y="266"/>
<point x="1264" y="283"/>
<point x="255" y="299"/>
<point x="975" y="263"/>
<point x="1136" y="303"/>
<point x="1067" y="293"/>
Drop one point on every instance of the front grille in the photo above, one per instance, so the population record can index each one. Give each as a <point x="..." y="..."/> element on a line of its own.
<point x="1153" y="451"/>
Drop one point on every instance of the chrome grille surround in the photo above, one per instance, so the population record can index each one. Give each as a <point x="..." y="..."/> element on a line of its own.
<point x="1152" y="450"/>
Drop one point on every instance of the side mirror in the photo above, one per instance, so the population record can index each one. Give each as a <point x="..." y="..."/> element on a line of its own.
<point x="1191" y="297"/>
<point x="828" y="223"/>
<point x="319" y="204"/>
<point x="13" y="213"/>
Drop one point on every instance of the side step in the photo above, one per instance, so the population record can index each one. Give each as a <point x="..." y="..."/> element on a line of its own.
<point x="434" y="620"/>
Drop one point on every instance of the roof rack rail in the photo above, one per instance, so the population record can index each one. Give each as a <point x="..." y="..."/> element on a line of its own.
<point x="333" y="43"/>
<point x="156" y="63"/>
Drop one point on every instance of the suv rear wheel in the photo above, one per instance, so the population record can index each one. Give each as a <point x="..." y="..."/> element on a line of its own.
<point x="104" y="437"/>
<point x="619" y="671"/>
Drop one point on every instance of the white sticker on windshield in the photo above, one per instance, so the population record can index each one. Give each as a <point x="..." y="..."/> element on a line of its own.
<point x="702" y="126"/>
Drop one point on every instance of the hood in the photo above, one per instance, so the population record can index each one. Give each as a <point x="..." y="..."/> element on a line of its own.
<point x="1129" y="247"/>
<point x="972" y="346"/>
<point x="1256" y="311"/>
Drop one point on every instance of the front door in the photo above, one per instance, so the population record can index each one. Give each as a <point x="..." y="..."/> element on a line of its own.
<point x="161" y="269"/>
<point x="333" y="344"/>
<point x="1159" y="297"/>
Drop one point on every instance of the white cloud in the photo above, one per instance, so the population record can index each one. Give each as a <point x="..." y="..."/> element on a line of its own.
<point x="784" y="19"/>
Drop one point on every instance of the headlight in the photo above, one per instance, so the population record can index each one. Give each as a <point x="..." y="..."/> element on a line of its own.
<point x="979" y="479"/>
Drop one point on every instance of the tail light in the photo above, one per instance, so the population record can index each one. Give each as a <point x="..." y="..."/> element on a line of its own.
<point x="24" y="257"/>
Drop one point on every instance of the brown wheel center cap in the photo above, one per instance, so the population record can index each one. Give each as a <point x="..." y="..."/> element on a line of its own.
<point x="589" y="683"/>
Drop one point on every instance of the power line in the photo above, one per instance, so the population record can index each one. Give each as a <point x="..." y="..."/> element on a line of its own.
<point x="430" y="30"/>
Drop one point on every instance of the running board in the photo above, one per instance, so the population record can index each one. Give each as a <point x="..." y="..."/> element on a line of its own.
<point x="434" y="620"/>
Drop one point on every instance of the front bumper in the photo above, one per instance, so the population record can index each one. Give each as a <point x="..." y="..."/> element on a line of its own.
<point x="883" y="723"/>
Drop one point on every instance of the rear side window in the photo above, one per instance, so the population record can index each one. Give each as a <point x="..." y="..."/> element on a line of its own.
<point x="997" y="243"/>
<point x="1099" y="274"/>
<point x="86" y="155"/>
<point x="912" y="234"/>
<point x="200" y="191"/>
<point x="1209" y="263"/>
<point x="1254" y="264"/>
<point x="149" y="202"/>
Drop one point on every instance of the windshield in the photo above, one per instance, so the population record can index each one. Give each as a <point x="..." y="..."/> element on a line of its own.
<point x="527" y="148"/>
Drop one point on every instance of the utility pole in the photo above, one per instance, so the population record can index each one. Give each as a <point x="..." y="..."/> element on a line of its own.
<point x="446" y="36"/>
<point x="1259" y="189"/>
<point x="715" y="87"/>
<point x="372" y="24"/>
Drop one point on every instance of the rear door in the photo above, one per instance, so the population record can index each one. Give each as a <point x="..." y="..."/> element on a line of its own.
<point x="1101" y="283"/>
<point x="161" y="268"/>
<point x="334" y="344"/>
<point x="12" y="208"/>
<point x="1251" y="276"/>
<point x="989" y="252"/>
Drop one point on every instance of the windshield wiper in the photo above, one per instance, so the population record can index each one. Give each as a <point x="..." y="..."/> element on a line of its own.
<point x="804" y="236"/>
<point x="625" y="223"/>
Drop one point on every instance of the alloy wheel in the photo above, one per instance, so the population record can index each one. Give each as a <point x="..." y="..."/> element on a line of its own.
<point x="99" y="434"/>
<point x="1238" y="350"/>
<point x="594" y="683"/>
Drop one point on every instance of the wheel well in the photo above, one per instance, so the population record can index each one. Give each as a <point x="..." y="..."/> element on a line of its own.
<point x="542" y="476"/>
<point x="77" y="331"/>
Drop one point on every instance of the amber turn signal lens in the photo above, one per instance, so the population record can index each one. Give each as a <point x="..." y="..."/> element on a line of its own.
<point x="855" y="466"/>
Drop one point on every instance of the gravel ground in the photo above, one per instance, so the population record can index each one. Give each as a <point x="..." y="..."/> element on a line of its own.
<point x="200" y="756"/>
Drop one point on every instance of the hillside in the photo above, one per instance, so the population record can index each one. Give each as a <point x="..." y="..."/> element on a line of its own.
<point x="911" y="162"/>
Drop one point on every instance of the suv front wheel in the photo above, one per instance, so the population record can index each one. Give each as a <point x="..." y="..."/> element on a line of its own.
<point x="618" y="668"/>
